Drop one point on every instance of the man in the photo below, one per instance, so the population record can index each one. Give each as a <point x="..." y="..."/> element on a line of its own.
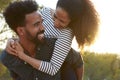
<point x="28" y="25"/>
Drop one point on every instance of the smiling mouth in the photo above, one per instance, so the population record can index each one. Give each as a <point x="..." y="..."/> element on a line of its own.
<point x="40" y="35"/>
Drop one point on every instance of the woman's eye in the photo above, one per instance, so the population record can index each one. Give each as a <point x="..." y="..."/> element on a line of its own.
<point x="55" y="16"/>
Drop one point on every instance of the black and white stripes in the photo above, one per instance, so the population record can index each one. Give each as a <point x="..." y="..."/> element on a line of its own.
<point x="62" y="45"/>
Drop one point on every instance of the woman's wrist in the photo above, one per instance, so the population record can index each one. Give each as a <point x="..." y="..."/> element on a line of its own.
<point x="21" y="55"/>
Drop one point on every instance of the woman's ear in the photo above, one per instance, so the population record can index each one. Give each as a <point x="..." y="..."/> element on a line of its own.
<point x="20" y="31"/>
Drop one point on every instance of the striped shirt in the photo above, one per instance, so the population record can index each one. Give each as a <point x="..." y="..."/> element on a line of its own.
<point x="62" y="45"/>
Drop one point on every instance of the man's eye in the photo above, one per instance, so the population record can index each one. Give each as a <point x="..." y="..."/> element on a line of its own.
<point x="37" y="24"/>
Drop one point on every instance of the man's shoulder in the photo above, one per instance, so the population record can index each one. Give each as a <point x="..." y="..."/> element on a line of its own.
<point x="5" y="57"/>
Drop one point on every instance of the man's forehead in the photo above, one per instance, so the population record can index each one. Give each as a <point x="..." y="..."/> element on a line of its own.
<point x="39" y="13"/>
<point x="33" y="14"/>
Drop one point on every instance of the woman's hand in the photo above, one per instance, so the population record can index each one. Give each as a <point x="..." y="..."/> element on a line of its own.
<point x="18" y="49"/>
<point x="10" y="47"/>
<point x="13" y="47"/>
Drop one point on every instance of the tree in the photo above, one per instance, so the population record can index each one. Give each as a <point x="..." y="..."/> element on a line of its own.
<point x="2" y="70"/>
<point x="116" y="69"/>
<point x="100" y="66"/>
<point x="3" y="26"/>
<point x="3" y="29"/>
<point x="3" y="4"/>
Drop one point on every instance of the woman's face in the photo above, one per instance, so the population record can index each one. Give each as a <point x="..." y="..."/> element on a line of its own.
<point x="61" y="18"/>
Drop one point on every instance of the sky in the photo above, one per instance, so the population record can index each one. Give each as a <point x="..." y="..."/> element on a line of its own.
<point x="48" y="3"/>
<point x="108" y="39"/>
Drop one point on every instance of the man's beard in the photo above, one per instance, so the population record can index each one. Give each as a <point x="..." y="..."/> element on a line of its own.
<point x="35" y="39"/>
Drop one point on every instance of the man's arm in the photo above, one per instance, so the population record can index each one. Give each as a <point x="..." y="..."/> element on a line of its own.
<point x="4" y="58"/>
<point x="15" y="65"/>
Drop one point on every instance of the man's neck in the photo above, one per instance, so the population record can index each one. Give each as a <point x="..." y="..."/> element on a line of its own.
<point x="28" y="46"/>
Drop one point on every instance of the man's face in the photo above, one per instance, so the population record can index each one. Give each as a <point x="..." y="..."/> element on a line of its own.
<point x="33" y="26"/>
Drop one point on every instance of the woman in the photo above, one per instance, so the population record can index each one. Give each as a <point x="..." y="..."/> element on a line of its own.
<point x="72" y="18"/>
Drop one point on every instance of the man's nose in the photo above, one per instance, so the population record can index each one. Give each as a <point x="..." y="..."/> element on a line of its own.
<point x="42" y="28"/>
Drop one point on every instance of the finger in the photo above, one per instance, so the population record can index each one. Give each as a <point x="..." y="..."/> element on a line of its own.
<point x="17" y="43"/>
<point x="12" y="51"/>
<point x="12" y="43"/>
<point x="19" y="47"/>
<point x="9" y="47"/>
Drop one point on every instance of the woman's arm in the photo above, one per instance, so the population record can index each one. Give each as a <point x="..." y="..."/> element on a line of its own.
<point x="20" y="53"/>
<point x="61" y="50"/>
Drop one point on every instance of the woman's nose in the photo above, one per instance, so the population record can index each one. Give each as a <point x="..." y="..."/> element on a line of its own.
<point x="56" y="23"/>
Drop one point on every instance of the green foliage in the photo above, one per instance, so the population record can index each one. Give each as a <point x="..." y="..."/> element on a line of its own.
<point x="116" y="69"/>
<point x="4" y="73"/>
<point x="6" y="76"/>
<point x="117" y="75"/>
<point x="101" y="66"/>
<point x="2" y="70"/>
<point x="96" y="66"/>
<point x="3" y="4"/>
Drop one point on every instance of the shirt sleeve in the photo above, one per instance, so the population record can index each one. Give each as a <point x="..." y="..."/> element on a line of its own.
<point x="6" y="58"/>
<point x="61" y="50"/>
<point x="15" y="65"/>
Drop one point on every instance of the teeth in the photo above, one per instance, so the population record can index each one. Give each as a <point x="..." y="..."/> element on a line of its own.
<point x="40" y="36"/>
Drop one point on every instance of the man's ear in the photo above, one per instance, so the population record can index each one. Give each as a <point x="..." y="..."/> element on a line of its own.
<point x="20" y="31"/>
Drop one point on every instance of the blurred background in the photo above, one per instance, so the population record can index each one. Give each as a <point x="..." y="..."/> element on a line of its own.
<point x="101" y="59"/>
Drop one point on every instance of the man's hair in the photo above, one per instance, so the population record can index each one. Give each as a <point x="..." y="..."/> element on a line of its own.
<point x="15" y="13"/>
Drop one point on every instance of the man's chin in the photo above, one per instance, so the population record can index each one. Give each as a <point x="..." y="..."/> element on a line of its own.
<point x="40" y="39"/>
